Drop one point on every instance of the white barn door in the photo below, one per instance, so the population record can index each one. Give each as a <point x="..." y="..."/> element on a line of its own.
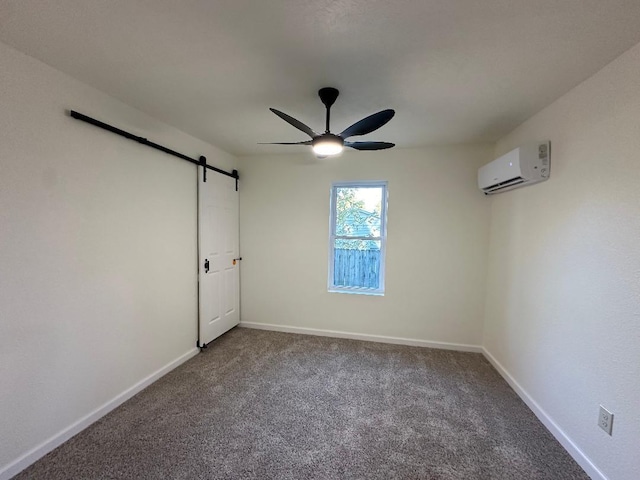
<point x="219" y="279"/>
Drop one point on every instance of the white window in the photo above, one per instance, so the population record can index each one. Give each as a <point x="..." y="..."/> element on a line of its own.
<point x="357" y="237"/>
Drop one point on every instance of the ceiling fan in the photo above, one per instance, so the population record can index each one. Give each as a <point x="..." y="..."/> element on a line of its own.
<point x="327" y="143"/>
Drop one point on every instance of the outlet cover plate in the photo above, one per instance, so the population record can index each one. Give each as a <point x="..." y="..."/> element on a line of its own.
<point x="605" y="420"/>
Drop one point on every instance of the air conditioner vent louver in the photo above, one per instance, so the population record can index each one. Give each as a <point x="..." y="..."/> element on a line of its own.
<point x="504" y="184"/>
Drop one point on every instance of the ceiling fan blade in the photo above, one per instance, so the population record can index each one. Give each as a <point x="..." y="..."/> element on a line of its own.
<point x="308" y="142"/>
<point x="368" y="124"/>
<point x="296" y="123"/>
<point x="369" y="145"/>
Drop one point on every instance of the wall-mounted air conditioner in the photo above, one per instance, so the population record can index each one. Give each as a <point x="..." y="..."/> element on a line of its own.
<point x="523" y="166"/>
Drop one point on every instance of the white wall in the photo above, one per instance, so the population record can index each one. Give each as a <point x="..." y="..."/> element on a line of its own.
<point x="563" y="303"/>
<point x="97" y="252"/>
<point x="438" y="224"/>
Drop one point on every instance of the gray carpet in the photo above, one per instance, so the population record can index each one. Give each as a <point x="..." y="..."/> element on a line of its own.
<point x="269" y="405"/>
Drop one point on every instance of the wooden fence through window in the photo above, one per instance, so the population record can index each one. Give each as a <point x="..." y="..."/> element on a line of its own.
<point x="356" y="268"/>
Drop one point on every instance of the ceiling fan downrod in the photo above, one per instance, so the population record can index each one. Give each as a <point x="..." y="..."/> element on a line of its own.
<point x="328" y="96"/>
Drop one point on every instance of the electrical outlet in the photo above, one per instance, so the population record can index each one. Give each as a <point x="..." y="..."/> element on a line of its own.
<point x="605" y="420"/>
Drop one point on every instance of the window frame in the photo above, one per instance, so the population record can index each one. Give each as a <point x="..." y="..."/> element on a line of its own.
<point x="382" y="239"/>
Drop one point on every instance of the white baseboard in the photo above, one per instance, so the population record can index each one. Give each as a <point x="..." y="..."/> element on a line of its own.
<point x="58" y="439"/>
<point x="363" y="336"/>
<point x="568" y="444"/>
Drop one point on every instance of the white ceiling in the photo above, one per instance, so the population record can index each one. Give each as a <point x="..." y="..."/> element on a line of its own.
<point x="455" y="70"/>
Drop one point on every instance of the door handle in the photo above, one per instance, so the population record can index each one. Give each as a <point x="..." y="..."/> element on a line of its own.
<point x="206" y="265"/>
<point x="236" y="259"/>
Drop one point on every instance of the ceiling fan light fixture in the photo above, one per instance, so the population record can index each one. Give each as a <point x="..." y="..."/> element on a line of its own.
<point x="327" y="145"/>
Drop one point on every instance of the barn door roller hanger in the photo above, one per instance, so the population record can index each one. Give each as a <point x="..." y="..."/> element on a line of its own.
<point x="202" y="161"/>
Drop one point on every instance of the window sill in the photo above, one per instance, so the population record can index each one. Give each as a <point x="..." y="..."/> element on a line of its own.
<point x="374" y="293"/>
